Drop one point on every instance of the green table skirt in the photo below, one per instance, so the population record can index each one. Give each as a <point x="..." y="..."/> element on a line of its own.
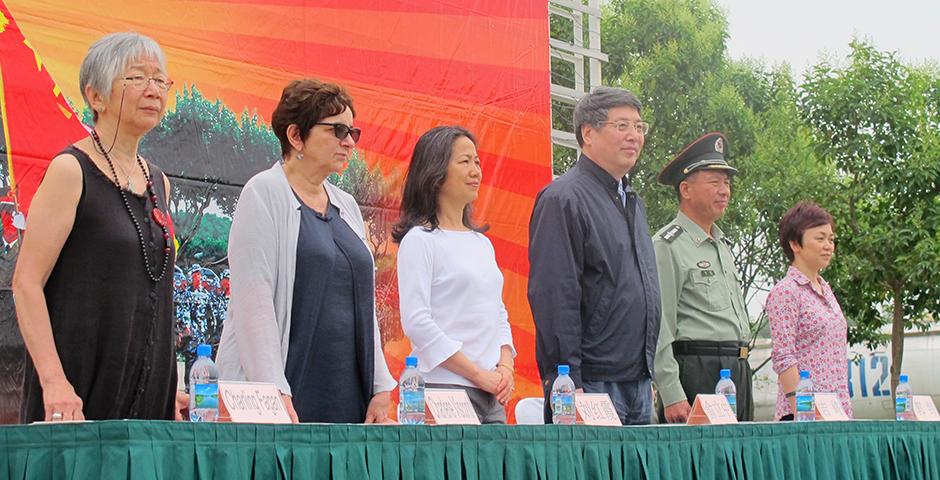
<point x="179" y="451"/>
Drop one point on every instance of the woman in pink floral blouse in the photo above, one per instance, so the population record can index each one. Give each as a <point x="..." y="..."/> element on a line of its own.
<point x="806" y="322"/>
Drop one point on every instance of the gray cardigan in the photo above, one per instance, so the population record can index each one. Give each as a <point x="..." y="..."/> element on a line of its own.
<point x="262" y="252"/>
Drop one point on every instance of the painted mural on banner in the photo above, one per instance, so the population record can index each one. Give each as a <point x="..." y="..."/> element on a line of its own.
<point x="409" y="66"/>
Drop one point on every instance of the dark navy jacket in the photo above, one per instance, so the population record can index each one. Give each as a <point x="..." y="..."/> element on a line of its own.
<point x="593" y="286"/>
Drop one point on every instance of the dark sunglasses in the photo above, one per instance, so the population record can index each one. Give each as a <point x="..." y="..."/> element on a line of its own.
<point x="341" y="130"/>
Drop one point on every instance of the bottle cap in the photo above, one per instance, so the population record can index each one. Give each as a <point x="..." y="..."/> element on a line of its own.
<point x="903" y="378"/>
<point x="204" y="350"/>
<point x="804" y="373"/>
<point x="563" y="369"/>
<point x="725" y="373"/>
<point x="411" y="362"/>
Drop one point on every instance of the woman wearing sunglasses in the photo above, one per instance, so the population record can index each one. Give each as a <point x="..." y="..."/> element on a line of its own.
<point x="302" y="308"/>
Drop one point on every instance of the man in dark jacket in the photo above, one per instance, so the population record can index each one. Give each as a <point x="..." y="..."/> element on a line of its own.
<point x="593" y="286"/>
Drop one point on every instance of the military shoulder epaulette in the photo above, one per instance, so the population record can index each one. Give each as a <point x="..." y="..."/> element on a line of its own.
<point x="671" y="233"/>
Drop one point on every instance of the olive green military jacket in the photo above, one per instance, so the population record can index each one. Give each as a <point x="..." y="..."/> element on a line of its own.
<point x="701" y="293"/>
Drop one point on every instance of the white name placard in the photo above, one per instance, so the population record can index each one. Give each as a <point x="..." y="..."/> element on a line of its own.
<point x="450" y="407"/>
<point x="248" y="402"/>
<point x="828" y="407"/>
<point x="596" y="409"/>
<point x="924" y="409"/>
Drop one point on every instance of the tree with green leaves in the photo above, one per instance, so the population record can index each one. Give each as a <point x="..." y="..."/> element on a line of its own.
<point x="672" y="54"/>
<point x="210" y="241"/>
<point x="878" y="121"/>
<point x="208" y="153"/>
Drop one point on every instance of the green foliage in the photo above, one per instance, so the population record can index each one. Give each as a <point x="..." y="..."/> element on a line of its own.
<point x="671" y="53"/>
<point x="877" y="120"/>
<point x="563" y="73"/>
<point x="640" y="35"/>
<point x="561" y="28"/>
<point x="563" y="158"/>
<point x="87" y="115"/>
<point x="365" y="185"/>
<point x="210" y="241"/>
<point x="204" y="140"/>
<point x="780" y="170"/>
<point x="863" y="140"/>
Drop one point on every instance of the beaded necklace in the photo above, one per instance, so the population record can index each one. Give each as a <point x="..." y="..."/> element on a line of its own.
<point x="130" y="184"/>
<point x="158" y="216"/>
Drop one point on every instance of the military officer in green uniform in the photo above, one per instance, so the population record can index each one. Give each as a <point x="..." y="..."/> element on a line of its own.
<point x="705" y="325"/>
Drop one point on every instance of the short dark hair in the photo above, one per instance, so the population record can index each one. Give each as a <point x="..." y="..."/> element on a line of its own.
<point x="305" y="102"/>
<point x="426" y="174"/>
<point x="594" y="107"/>
<point x="677" y="187"/>
<point x="802" y="217"/>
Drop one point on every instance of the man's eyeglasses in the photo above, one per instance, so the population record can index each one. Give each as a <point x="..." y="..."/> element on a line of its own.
<point x="140" y="82"/>
<point x="340" y="130"/>
<point x="623" y="126"/>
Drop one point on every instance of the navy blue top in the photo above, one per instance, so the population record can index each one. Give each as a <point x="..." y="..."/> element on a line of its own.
<point x="593" y="285"/>
<point x="329" y="360"/>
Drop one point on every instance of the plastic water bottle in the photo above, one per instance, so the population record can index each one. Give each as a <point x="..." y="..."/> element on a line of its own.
<point x="726" y="387"/>
<point x="411" y="394"/>
<point x="805" y="402"/>
<point x="204" y="387"/>
<point x="902" y="400"/>
<point x="563" y="412"/>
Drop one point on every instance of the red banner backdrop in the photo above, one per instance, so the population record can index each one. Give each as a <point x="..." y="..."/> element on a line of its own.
<point x="410" y="65"/>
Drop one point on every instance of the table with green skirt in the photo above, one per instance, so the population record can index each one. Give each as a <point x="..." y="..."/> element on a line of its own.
<point x="179" y="451"/>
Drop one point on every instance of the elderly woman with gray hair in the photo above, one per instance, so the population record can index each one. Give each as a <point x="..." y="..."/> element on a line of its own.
<point x="93" y="283"/>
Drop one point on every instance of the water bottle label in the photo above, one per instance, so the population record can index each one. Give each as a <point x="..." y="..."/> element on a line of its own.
<point x="733" y="402"/>
<point x="804" y="403"/>
<point x="412" y="401"/>
<point x="563" y="404"/>
<point x="900" y="405"/>
<point x="206" y="395"/>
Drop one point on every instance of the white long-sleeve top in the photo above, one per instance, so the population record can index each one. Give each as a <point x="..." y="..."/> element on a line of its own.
<point x="262" y="253"/>
<point x="451" y="299"/>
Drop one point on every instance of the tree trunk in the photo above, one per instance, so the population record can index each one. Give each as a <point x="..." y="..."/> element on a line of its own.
<point x="897" y="337"/>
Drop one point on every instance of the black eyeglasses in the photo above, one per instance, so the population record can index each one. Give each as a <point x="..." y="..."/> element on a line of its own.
<point x="341" y="130"/>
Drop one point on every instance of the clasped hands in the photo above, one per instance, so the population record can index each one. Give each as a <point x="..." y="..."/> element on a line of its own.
<point x="499" y="381"/>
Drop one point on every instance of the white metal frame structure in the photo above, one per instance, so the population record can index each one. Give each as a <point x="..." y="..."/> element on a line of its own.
<point x="581" y="13"/>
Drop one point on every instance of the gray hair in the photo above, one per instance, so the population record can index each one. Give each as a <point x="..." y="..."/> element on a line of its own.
<point x="593" y="108"/>
<point x="109" y="56"/>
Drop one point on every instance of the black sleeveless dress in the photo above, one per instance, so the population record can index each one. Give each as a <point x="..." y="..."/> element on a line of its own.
<point x="113" y="327"/>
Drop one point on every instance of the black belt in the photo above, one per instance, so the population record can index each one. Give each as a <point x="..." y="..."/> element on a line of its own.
<point x="711" y="349"/>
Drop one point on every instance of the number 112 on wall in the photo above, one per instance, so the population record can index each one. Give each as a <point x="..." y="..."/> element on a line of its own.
<point x="877" y="374"/>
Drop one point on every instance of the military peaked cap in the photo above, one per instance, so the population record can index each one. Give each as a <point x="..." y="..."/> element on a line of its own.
<point x="706" y="153"/>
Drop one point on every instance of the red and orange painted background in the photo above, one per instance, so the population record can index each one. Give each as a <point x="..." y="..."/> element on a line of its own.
<point x="410" y="65"/>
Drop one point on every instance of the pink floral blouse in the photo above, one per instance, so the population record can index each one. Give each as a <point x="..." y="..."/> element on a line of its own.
<point x="808" y="332"/>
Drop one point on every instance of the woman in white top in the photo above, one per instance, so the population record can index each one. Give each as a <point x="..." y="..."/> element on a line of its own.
<point x="450" y="287"/>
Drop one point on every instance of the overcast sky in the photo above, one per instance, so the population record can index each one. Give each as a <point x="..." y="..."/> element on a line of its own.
<point x="799" y="31"/>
